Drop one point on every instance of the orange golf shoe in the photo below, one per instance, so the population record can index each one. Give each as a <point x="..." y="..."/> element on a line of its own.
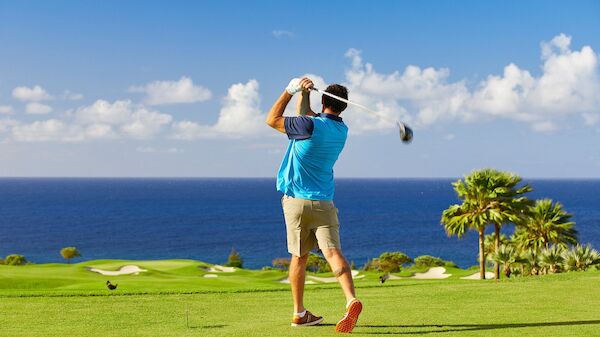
<point x="347" y="323"/>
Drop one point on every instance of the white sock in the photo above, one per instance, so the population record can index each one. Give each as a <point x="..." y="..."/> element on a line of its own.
<point x="350" y="301"/>
<point x="300" y="314"/>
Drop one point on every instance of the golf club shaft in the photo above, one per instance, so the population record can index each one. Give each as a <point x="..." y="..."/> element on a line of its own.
<point x="352" y="103"/>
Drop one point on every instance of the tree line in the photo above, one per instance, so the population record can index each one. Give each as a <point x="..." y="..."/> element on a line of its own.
<point x="544" y="240"/>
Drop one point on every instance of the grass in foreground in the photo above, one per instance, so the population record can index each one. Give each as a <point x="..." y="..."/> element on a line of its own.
<point x="553" y="305"/>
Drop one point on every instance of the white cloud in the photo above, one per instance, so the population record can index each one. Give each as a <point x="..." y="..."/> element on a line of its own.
<point x="35" y="108"/>
<point x="105" y="112"/>
<point x="426" y="93"/>
<point x="188" y="130"/>
<point x="240" y="116"/>
<point x="6" y="110"/>
<point x="48" y="130"/>
<point x="450" y="136"/>
<point x="169" y="92"/>
<point x="145" y="124"/>
<point x="55" y="130"/>
<point x="7" y="124"/>
<point x="150" y="149"/>
<point x="590" y="118"/>
<point x="36" y="93"/>
<point x="544" y="126"/>
<point x="101" y="120"/>
<point x="99" y="131"/>
<point x="570" y="80"/>
<point x="71" y="96"/>
<point x="279" y="33"/>
<point x="568" y="85"/>
<point x="132" y="120"/>
<point x="503" y="95"/>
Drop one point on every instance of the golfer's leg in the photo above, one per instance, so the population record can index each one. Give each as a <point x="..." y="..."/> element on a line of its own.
<point x="297" y="275"/>
<point x="341" y="270"/>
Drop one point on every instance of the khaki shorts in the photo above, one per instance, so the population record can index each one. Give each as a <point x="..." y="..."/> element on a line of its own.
<point x="310" y="224"/>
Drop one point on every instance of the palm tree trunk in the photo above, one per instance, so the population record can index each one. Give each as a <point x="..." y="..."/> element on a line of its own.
<point x="496" y="264"/>
<point x="481" y="256"/>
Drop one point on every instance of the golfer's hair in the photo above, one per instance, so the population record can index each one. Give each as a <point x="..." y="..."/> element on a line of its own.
<point x="332" y="103"/>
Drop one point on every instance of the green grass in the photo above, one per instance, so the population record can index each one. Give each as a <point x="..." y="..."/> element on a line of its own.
<point x="68" y="300"/>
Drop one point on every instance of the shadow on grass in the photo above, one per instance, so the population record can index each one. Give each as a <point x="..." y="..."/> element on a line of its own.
<point x="215" y="326"/>
<point x="442" y="328"/>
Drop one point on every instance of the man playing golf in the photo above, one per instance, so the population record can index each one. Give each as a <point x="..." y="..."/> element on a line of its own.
<point x="306" y="180"/>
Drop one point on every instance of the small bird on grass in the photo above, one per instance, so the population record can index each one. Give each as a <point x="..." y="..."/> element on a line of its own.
<point x="384" y="277"/>
<point x="111" y="286"/>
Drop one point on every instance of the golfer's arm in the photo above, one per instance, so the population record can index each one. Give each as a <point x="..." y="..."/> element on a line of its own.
<point x="275" y="117"/>
<point x="303" y="106"/>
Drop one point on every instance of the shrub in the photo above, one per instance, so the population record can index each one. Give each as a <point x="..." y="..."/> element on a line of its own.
<point x="551" y="259"/>
<point x="15" y="260"/>
<point x="391" y="262"/>
<point x="450" y="264"/>
<point x="69" y="252"/>
<point x="388" y="262"/>
<point x="282" y="263"/>
<point x="371" y="265"/>
<point x="317" y="264"/>
<point x="429" y="261"/>
<point x="580" y="258"/>
<point x="234" y="259"/>
<point x="530" y="262"/>
<point x="507" y="256"/>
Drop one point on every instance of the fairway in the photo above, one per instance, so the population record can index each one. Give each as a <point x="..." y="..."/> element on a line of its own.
<point x="552" y="305"/>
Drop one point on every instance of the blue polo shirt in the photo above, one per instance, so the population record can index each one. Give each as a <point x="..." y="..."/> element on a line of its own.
<point x="315" y="144"/>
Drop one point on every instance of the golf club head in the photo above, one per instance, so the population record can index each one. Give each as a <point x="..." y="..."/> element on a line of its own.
<point x="406" y="134"/>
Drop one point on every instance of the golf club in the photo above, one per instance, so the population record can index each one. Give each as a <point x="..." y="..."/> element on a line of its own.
<point x="406" y="133"/>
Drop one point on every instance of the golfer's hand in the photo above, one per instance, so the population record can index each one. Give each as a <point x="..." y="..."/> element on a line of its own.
<point x="294" y="86"/>
<point x="306" y="84"/>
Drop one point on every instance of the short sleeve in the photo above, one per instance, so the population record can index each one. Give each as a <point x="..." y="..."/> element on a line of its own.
<point x="299" y="128"/>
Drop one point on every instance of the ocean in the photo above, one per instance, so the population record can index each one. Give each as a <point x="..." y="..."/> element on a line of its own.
<point x="204" y="218"/>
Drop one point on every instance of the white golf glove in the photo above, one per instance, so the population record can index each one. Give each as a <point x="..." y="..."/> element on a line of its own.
<point x="294" y="86"/>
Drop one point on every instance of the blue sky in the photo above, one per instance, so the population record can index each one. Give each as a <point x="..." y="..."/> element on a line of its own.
<point x="175" y="88"/>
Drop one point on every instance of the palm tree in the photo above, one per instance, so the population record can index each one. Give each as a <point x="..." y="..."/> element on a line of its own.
<point x="548" y="223"/>
<point x="490" y="243"/>
<point x="507" y="256"/>
<point x="531" y="260"/>
<point x="490" y="197"/>
<point x="580" y="258"/>
<point x="551" y="259"/>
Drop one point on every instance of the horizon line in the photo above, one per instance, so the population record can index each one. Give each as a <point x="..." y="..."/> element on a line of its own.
<point x="271" y="177"/>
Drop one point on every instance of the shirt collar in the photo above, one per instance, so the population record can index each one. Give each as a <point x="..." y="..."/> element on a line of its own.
<point x="330" y="116"/>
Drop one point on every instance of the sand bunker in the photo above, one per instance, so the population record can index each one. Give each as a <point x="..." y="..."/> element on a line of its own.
<point x="220" y="269"/>
<point x="287" y="280"/>
<point x="488" y="275"/>
<point x="394" y="277"/>
<point x="333" y="278"/>
<point x="311" y="279"/>
<point x="125" y="270"/>
<point x="432" y="273"/>
<point x="210" y="276"/>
